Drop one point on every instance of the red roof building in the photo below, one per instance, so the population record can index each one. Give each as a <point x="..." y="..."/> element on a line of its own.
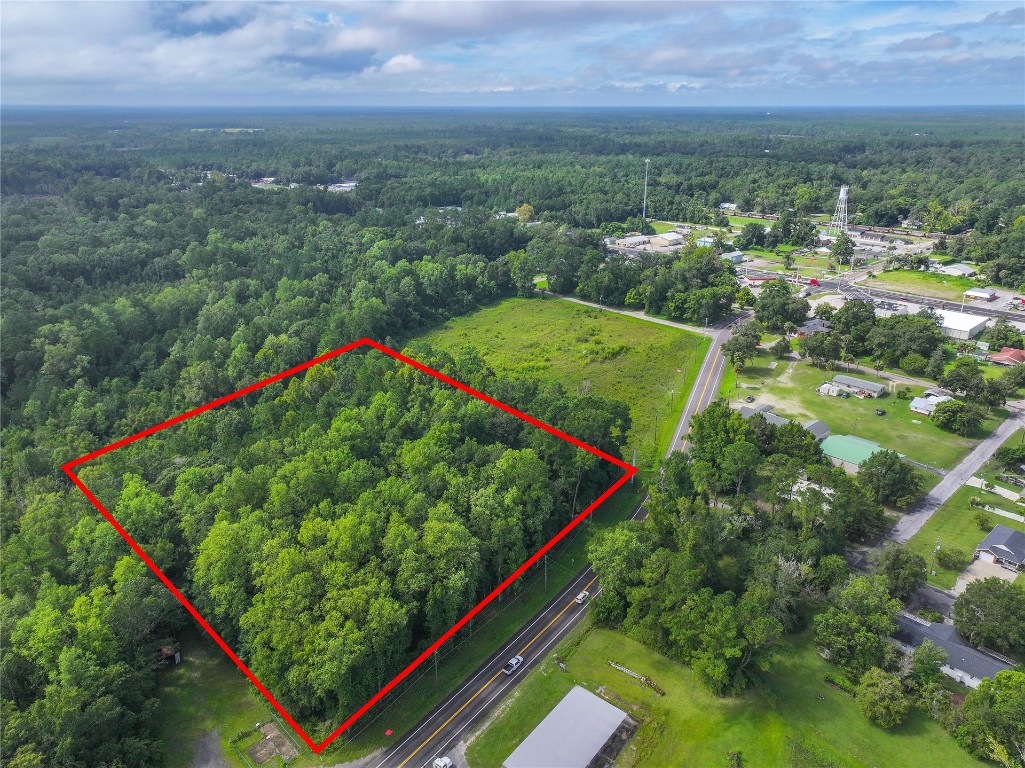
<point x="1008" y="356"/>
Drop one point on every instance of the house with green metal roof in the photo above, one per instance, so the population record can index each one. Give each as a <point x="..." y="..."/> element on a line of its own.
<point x="848" y="451"/>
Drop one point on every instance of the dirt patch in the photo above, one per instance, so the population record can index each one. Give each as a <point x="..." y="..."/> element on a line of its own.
<point x="207" y="752"/>
<point x="274" y="742"/>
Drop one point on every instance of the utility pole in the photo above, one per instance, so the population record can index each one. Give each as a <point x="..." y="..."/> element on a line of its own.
<point x="644" y="208"/>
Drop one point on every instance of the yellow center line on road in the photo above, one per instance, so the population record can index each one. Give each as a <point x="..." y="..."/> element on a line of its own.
<point x="697" y="405"/>
<point x="489" y="682"/>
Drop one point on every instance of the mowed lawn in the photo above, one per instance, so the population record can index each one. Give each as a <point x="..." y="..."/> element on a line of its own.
<point x="953" y="526"/>
<point x="619" y="357"/>
<point x="205" y="692"/>
<point x="691" y="727"/>
<point x="923" y="283"/>
<point x="790" y="388"/>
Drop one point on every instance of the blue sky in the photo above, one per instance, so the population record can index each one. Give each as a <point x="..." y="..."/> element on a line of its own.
<point x="497" y="52"/>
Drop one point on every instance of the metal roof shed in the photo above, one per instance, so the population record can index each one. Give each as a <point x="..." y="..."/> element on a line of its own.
<point x="572" y="734"/>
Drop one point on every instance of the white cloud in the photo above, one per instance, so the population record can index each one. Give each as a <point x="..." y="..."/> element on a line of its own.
<point x="402" y="64"/>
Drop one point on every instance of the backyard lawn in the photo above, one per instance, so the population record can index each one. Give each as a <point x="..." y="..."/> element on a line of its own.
<point x="648" y="366"/>
<point x="954" y="526"/>
<point x="794" y="711"/>
<point x="791" y="385"/>
<point x="923" y="283"/>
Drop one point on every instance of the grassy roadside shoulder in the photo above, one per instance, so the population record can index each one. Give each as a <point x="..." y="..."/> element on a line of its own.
<point x="791" y="711"/>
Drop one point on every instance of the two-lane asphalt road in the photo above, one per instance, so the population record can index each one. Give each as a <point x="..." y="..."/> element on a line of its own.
<point x="452" y="719"/>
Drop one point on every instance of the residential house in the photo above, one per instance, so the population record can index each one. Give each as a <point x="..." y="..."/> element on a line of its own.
<point x="1003" y="546"/>
<point x="859" y="387"/>
<point x="926" y="404"/>
<point x="813" y="326"/>
<point x="734" y="257"/>
<point x="968" y="666"/>
<point x="818" y="428"/>
<point x="705" y="241"/>
<point x="1008" y="356"/>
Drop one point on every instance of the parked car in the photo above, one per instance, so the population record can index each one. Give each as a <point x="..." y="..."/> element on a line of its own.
<point x="582" y="597"/>
<point x="512" y="665"/>
<point x="750" y="398"/>
<point x="442" y="762"/>
<point x="845" y="395"/>
<point x="880" y="412"/>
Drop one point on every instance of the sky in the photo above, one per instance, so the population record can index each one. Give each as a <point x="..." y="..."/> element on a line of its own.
<point x="504" y="53"/>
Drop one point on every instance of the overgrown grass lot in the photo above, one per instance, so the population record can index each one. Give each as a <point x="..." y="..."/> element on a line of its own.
<point x="792" y="715"/>
<point x="924" y="283"/>
<point x="620" y="357"/>
<point x="790" y="387"/>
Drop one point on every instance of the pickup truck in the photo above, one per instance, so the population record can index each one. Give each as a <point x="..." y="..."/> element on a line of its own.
<point x="512" y="665"/>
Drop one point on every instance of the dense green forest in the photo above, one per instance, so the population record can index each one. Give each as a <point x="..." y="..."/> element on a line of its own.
<point x="143" y="275"/>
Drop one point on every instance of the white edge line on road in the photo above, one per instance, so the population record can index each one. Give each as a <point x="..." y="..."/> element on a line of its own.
<point x="540" y="656"/>
<point x="484" y="669"/>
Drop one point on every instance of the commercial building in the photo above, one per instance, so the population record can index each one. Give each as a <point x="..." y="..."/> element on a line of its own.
<point x="960" y="325"/>
<point x="980" y="294"/>
<point x="813" y="326"/>
<point x="633" y="241"/>
<point x="667" y="238"/>
<point x="579" y="732"/>
<point x="958" y="270"/>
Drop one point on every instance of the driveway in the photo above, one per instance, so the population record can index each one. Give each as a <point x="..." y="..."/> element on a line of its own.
<point x="980" y="569"/>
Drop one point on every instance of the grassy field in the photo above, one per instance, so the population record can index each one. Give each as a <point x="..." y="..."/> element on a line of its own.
<point x="954" y="526"/>
<point x="923" y="283"/>
<point x="691" y="727"/>
<point x="791" y="385"/>
<point x="648" y="366"/>
<point x="739" y="221"/>
<point x="206" y="691"/>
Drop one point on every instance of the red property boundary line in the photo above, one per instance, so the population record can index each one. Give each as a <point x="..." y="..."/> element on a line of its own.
<point x="319" y="747"/>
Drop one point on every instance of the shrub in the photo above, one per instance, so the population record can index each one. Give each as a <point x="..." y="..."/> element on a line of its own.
<point x="841" y="681"/>
<point x="983" y="521"/>
<point x="953" y="559"/>
<point x="934" y="616"/>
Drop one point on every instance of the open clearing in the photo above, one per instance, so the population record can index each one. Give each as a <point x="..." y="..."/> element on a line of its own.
<point x="623" y="358"/>
<point x="689" y="726"/>
<point x="791" y="385"/>
<point x="923" y="283"/>
<point x="204" y="692"/>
